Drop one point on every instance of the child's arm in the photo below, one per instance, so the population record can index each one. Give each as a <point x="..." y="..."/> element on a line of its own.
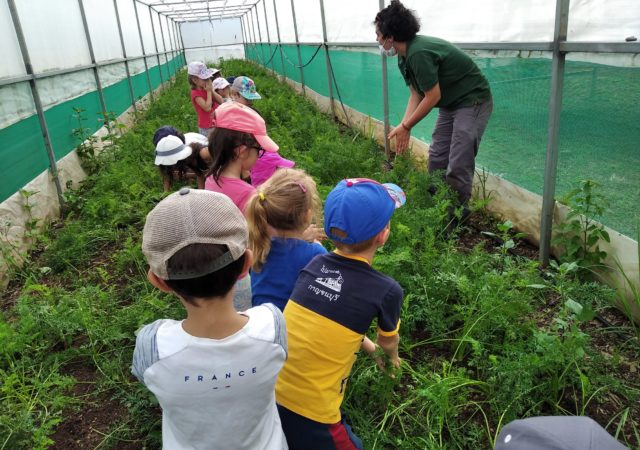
<point x="368" y="346"/>
<point x="389" y="345"/>
<point x="314" y="233"/>
<point x="215" y="96"/>
<point x="205" y="104"/>
<point x="219" y="99"/>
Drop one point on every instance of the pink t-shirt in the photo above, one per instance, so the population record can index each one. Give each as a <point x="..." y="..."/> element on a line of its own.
<point x="237" y="190"/>
<point x="205" y="119"/>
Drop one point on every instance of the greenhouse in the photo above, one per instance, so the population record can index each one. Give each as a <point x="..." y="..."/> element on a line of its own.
<point x="517" y="304"/>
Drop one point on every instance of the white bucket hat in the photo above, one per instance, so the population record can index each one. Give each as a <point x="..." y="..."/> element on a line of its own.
<point x="195" y="137"/>
<point x="170" y="150"/>
<point x="220" y="83"/>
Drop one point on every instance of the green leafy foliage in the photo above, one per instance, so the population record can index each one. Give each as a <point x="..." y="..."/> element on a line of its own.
<point x="580" y="234"/>
<point x="481" y="343"/>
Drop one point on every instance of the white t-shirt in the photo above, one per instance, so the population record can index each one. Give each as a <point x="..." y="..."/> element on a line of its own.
<point x="216" y="393"/>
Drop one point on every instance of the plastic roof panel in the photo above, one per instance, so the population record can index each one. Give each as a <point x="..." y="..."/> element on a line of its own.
<point x="189" y="10"/>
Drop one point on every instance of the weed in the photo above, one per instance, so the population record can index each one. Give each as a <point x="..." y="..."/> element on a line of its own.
<point x="86" y="141"/>
<point x="482" y="196"/>
<point x="580" y="234"/>
<point x="505" y="236"/>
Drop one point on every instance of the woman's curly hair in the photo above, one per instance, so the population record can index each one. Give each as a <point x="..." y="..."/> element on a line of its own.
<point x="398" y="22"/>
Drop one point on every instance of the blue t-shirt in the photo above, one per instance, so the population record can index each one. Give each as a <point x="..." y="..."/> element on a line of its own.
<point x="287" y="257"/>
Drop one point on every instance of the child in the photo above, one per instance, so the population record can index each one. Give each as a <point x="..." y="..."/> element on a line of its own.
<point x="222" y="87"/>
<point x="214" y="372"/>
<point x="180" y="154"/>
<point x="278" y="216"/>
<point x="203" y="97"/>
<point x="332" y="305"/>
<point x="239" y="139"/>
<point x="267" y="166"/>
<point x="243" y="90"/>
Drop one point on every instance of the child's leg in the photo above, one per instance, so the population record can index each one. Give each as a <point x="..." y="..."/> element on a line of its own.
<point x="205" y="131"/>
<point x="307" y="434"/>
<point x="166" y="178"/>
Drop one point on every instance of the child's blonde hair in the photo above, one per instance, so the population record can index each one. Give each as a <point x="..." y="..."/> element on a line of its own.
<point x="283" y="202"/>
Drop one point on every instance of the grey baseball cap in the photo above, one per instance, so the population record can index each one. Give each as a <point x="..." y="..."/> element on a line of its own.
<point x="193" y="216"/>
<point x="556" y="433"/>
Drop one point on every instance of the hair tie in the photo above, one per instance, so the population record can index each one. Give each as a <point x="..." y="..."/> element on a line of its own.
<point x="261" y="195"/>
<point x="302" y="188"/>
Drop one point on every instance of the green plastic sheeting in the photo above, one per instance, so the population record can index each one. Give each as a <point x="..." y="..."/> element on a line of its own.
<point x="22" y="148"/>
<point x="599" y="127"/>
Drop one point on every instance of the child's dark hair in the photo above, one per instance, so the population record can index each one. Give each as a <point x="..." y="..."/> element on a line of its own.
<point x="164" y="131"/>
<point x="192" y="82"/>
<point x="397" y="21"/>
<point x="351" y="248"/>
<point x="283" y="202"/>
<point x="216" y="284"/>
<point x="193" y="162"/>
<point x="222" y="146"/>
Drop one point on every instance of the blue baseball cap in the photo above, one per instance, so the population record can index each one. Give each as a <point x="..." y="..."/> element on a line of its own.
<point x="361" y="208"/>
<point x="164" y="131"/>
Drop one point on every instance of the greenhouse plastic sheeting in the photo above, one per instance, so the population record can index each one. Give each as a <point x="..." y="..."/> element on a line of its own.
<point x="459" y="21"/>
<point x="23" y="152"/>
<point x="210" y="40"/>
<point x="55" y="39"/>
<point x="600" y="125"/>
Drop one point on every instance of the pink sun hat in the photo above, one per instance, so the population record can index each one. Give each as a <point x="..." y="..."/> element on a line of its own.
<point x="238" y="117"/>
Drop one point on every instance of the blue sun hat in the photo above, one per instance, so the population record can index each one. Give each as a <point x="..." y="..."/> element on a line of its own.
<point x="360" y="208"/>
<point x="245" y="87"/>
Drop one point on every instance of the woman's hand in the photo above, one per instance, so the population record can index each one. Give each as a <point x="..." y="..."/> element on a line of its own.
<point x="402" y="134"/>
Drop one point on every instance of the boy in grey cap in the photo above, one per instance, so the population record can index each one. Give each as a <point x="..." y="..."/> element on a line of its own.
<point x="214" y="372"/>
<point x="556" y="433"/>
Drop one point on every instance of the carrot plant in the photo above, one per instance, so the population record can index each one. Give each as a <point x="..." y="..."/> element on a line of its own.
<point x="485" y="337"/>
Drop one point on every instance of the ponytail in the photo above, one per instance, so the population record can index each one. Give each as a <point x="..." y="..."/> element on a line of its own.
<point x="282" y="203"/>
<point x="259" y="239"/>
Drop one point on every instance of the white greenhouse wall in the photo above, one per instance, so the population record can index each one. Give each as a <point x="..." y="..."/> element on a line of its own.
<point x="12" y="65"/>
<point x="55" y="40"/>
<point x="211" y="40"/>
<point x="459" y="21"/>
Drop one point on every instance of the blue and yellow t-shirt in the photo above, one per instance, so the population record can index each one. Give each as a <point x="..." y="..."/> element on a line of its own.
<point x="332" y="305"/>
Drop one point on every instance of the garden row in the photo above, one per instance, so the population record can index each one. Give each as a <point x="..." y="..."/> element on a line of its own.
<point x="486" y="336"/>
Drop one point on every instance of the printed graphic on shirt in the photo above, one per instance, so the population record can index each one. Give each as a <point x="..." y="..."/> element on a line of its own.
<point x="349" y="292"/>
<point x="220" y="379"/>
<point x="333" y="283"/>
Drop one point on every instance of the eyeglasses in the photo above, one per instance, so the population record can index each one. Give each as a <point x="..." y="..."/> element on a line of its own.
<point x="259" y="149"/>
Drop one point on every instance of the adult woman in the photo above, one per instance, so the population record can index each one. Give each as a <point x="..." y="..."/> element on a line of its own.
<point x="440" y="75"/>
